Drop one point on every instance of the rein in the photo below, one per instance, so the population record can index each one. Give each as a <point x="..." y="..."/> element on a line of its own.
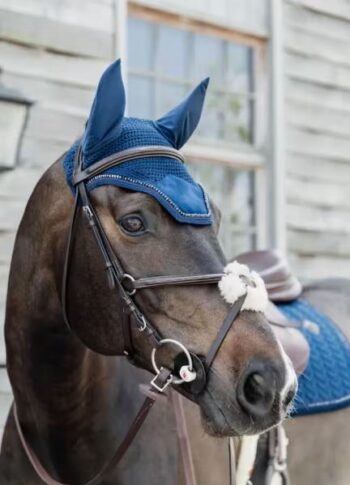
<point x="191" y="370"/>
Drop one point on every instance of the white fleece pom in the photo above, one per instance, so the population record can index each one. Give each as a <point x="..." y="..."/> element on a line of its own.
<point x="238" y="280"/>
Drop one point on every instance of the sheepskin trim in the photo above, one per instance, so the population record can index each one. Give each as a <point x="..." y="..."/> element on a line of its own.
<point x="239" y="280"/>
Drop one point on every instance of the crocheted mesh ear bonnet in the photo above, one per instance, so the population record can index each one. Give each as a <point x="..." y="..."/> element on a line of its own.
<point x="166" y="179"/>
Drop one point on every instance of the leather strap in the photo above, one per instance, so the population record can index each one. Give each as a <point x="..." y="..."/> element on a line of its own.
<point x="44" y="475"/>
<point x="275" y="287"/>
<point x="225" y="327"/>
<point x="184" y="439"/>
<point x="154" y="281"/>
<point x="125" y="156"/>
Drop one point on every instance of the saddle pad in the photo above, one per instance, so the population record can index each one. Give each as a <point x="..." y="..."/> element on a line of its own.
<point x="325" y="384"/>
<point x="164" y="178"/>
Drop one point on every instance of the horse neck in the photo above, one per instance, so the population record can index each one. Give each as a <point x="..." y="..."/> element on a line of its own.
<point x="61" y="388"/>
<point x="49" y="368"/>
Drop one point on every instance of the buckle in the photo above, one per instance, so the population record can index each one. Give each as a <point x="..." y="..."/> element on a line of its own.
<point x="88" y="211"/>
<point x="158" y="381"/>
<point x="131" y="279"/>
<point x="187" y="372"/>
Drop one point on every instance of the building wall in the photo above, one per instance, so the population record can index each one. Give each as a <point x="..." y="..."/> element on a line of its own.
<point x="317" y="136"/>
<point x="232" y="14"/>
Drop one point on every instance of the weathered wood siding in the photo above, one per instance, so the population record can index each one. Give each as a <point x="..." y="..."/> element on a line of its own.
<point x="246" y="16"/>
<point x="317" y="111"/>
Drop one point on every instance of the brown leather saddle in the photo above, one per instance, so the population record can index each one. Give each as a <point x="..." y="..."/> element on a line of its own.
<point x="282" y="286"/>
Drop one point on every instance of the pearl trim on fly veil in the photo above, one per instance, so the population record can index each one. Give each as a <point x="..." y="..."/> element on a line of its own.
<point x="238" y="280"/>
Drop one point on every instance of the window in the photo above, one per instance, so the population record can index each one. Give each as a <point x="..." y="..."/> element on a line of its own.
<point x="164" y="64"/>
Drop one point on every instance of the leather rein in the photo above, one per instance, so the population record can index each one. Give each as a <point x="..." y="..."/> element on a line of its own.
<point x="190" y="370"/>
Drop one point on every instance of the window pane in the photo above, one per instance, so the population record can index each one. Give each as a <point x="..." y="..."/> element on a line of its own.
<point x="231" y="190"/>
<point x="140" y="44"/>
<point x="184" y="58"/>
<point x="207" y="59"/>
<point x="238" y="67"/>
<point x="141" y="100"/>
<point x="212" y="120"/>
<point x="173" y="52"/>
<point x="238" y="119"/>
<point x="168" y="96"/>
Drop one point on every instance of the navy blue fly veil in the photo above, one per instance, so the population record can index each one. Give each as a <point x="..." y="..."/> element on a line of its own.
<point x="166" y="179"/>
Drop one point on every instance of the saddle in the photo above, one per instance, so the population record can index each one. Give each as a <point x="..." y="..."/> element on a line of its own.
<point x="282" y="287"/>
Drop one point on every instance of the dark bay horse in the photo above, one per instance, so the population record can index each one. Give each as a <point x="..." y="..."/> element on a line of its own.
<point x="73" y="396"/>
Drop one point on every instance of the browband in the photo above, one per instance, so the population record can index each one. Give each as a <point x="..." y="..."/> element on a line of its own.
<point x="125" y="156"/>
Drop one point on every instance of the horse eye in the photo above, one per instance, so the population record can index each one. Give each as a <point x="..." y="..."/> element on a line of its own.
<point x="132" y="224"/>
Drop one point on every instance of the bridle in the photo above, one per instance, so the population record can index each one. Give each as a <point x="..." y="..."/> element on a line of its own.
<point x="127" y="285"/>
<point x="190" y="370"/>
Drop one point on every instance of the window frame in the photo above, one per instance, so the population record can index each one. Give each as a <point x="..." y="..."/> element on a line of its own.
<point x="253" y="157"/>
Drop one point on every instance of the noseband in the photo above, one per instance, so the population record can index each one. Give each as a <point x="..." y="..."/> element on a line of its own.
<point x="190" y="370"/>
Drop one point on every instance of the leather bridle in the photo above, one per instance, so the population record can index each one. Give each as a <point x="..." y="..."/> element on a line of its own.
<point x="127" y="285"/>
<point x="190" y="370"/>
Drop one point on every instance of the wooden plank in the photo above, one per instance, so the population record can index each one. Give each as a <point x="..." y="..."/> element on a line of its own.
<point x="12" y="118"/>
<point x="318" y="169"/>
<point x="310" y="218"/>
<point x="7" y="240"/>
<point x="319" y="243"/>
<point x="94" y="14"/>
<point x="314" y="117"/>
<point x="10" y="214"/>
<point x="61" y="96"/>
<point x="317" y="71"/>
<point x="235" y="14"/>
<point x="49" y="124"/>
<point x="39" y="64"/>
<point x="42" y="32"/>
<point x="5" y="386"/>
<point x="245" y="159"/>
<point x="335" y="8"/>
<point x="317" y="144"/>
<point x="5" y="401"/>
<point x="317" y="194"/>
<point x="312" y="268"/>
<point x="315" y="22"/>
<point x="324" y="96"/>
<point x="18" y="184"/>
<point x="316" y="45"/>
<point x="39" y="153"/>
<point x="4" y="273"/>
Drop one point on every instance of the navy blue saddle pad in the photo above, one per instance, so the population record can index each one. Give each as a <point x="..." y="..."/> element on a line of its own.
<point x="325" y="384"/>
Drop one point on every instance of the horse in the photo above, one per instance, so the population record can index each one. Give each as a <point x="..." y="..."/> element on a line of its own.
<point x="67" y="394"/>
<point x="73" y="392"/>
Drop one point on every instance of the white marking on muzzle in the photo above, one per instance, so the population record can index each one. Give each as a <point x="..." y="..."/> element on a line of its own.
<point x="291" y="380"/>
<point x="239" y="280"/>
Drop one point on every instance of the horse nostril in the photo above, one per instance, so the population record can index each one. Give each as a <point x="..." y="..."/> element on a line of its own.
<point x="254" y="388"/>
<point x="256" y="393"/>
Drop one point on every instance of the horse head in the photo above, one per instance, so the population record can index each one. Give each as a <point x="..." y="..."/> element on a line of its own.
<point x="158" y="222"/>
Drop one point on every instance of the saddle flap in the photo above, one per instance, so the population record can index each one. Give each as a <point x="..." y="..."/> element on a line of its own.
<point x="292" y="340"/>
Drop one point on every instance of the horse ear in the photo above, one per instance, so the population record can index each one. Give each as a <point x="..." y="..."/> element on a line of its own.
<point x="107" y="110"/>
<point x="179" y="124"/>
